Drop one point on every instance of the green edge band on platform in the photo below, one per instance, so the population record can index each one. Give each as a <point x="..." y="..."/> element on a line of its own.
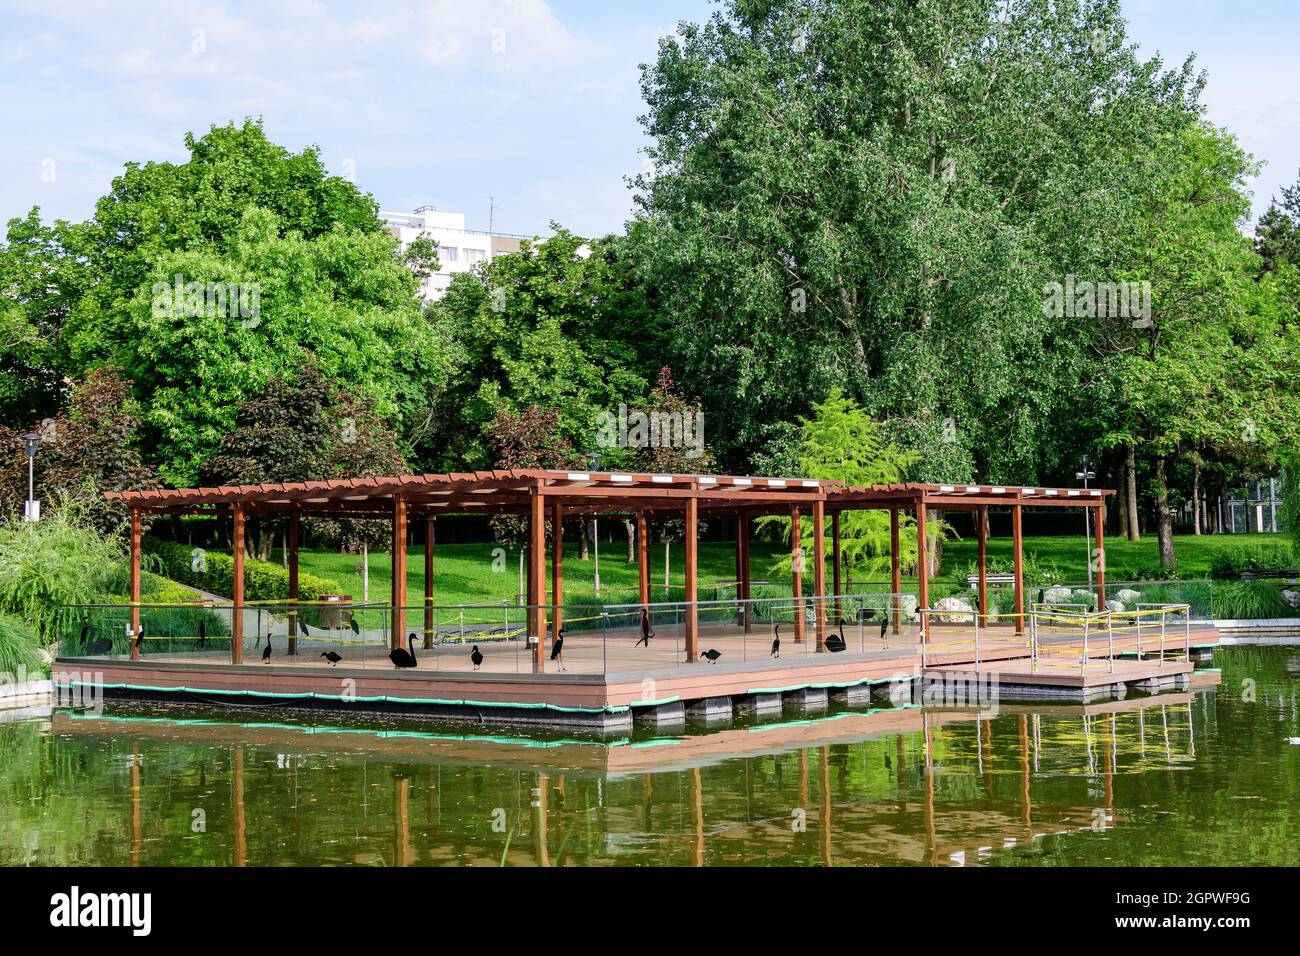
<point x="382" y="698"/>
<point x="831" y="685"/>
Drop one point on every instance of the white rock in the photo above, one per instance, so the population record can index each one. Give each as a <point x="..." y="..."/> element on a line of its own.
<point x="1058" y="595"/>
<point x="1129" y="596"/>
<point x="1292" y="598"/>
<point x="908" y="604"/>
<point x="956" y="605"/>
<point x="1116" y="606"/>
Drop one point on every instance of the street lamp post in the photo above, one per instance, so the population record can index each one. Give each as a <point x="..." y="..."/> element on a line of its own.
<point x="31" y="507"/>
<point x="1085" y="473"/>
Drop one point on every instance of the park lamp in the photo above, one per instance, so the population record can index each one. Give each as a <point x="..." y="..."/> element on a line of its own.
<point x="31" y="507"/>
<point x="1084" y="473"/>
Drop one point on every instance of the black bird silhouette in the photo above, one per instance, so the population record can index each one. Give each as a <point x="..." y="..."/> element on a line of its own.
<point x="835" y="642"/>
<point x="646" y="633"/>
<point x="557" y="648"/>
<point x="305" y="632"/>
<point x="203" y="633"/>
<point x="139" y="637"/>
<point x="884" y="624"/>
<point x="712" y="655"/>
<point x="266" y="653"/>
<point x="356" y="628"/>
<point x="887" y="763"/>
<point x="403" y="658"/>
<point x="331" y="657"/>
<point x="776" y="641"/>
<point x="476" y="656"/>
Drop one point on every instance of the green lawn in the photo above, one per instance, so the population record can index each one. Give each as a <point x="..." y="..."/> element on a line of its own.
<point x="467" y="573"/>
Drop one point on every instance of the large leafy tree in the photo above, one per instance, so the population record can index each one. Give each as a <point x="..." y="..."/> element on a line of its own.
<point x="871" y="196"/>
<point x="565" y="325"/>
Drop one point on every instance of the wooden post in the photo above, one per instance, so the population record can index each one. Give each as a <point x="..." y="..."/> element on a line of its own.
<point x="1018" y="547"/>
<point x="643" y="557"/>
<point x="399" y="573"/>
<point x="895" y="569"/>
<point x="796" y="573"/>
<point x="557" y="569"/>
<point x="135" y="581"/>
<point x="835" y="564"/>
<point x="237" y="589"/>
<point x="819" y="572"/>
<point x="429" y="532"/>
<point x="922" y="561"/>
<point x="692" y="617"/>
<point x="982" y="536"/>
<point x="295" y="522"/>
<point x="1099" y="557"/>
<point x="744" y="574"/>
<point x="537" y="576"/>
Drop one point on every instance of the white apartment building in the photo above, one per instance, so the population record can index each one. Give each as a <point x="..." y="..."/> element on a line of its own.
<point x="459" y="249"/>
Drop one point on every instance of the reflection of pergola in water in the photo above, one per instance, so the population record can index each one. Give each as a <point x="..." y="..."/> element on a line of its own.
<point x="542" y="496"/>
<point x="927" y="832"/>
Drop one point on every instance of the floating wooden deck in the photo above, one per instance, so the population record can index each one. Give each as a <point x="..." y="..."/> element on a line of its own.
<point x="608" y="680"/>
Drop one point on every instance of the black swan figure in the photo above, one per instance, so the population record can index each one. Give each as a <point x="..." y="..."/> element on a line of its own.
<point x="476" y="657"/>
<point x="776" y="640"/>
<point x="403" y="658"/>
<point x="835" y="642"/>
<point x="266" y="652"/>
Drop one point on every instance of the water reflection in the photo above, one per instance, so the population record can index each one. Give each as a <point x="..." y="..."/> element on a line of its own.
<point x="1193" y="777"/>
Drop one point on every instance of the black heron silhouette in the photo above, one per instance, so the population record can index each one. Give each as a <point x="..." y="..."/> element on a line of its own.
<point x="94" y="645"/>
<point x="835" y="642"/>
<point x="712" y="654"/>
<point x="401" y="657"/>
<point x="884" y="624"/>
<point x="266" y="652"/>
<point x="776" y="641"/>
<point x="139" y="639"/>
<point x="356" y="628"/>
<point x="476" y="656"/>
<point x="331" y="657"/>
<point x="557" y="648"/>
<point x="203" y="635"/>
<point x="646" y="633"/>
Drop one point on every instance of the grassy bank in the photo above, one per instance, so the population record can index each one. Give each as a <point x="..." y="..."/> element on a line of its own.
<point x="465" y="573"/>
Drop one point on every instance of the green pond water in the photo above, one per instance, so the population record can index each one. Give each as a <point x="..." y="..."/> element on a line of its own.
<point x="1210" y="777"/>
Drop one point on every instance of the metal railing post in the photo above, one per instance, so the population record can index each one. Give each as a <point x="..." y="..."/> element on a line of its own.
<point x="1162" y="638"/>
<point x="1083" y="658"/>
<point x="977" y="640"/>
<point x="1033" y="642"/>
<point x="1110" y="641"/>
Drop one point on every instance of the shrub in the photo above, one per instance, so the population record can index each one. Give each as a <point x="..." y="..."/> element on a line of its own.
<point x="1231" y="562"/>
<point x="18" y="648"/>
<point x="1243" y="600"/>
<point x="263" y="581"/>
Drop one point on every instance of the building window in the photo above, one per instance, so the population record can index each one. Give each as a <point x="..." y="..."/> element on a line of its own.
<point x="449" y="254"/>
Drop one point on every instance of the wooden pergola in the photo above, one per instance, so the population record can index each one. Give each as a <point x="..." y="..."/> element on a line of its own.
<point x="542" y="495"/>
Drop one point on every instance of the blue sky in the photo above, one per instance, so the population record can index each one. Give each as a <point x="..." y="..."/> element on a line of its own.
<point x="450" y="102"/>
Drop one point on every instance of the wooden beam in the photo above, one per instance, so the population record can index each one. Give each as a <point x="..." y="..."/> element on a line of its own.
<point x="982" y="536"/>
<point x="291" y="546"/>
<point x="835" y="564"/>
<point x="399" y="574"/>
<point x="557" y="569"/>
<point x="922" y="559"/>
<point x="744" y="573"/>
<point x="536" y="577"/>
<point x="135" y="581"/>
<point x="429" y="534"/>
<point x="819" y="572"/>
<point x="895" y="569"/>
<point x="643" y="557"/>
<point x="691" y="624"/>
<point x="237" y="588"/>
<point x="796" y="573"/>
<point x="1018" y="550"/>
<point x="1099" y="559"/>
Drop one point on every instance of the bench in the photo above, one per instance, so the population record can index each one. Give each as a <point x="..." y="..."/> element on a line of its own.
<point x="974" y="579"/>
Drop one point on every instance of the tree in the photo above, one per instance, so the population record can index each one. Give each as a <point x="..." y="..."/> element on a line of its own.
<point x="842" y="442"/>
<point x="871" y="195"/>
<point x="564" y="324"/>
<point x="88" y="448"/>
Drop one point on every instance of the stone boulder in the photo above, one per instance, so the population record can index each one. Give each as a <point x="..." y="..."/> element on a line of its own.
<point x="963" y="613"/>
<point x="1128" y="595"/>
<point x="1058" y="595"/>
<point x="1292" y="598"/>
